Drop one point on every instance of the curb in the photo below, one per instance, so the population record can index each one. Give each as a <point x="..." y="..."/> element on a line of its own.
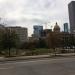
<point x="2" y="59"/>
<point x="24" y="58"/>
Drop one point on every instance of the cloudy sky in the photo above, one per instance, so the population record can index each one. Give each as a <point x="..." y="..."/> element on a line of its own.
<point x="27" y="13"/>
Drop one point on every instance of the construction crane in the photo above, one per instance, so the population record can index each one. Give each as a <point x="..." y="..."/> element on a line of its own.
<point x="47" y="24"/>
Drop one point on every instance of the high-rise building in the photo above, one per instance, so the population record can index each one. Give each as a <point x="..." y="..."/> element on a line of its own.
<point x="66" y="27"/>
<point x="37" y="31"/>
<point x="71" y="8"/>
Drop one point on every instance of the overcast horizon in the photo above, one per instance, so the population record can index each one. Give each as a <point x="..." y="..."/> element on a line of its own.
<point x="27" y="13"/>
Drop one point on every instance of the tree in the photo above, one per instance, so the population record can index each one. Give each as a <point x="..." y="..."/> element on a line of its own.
<point x="9" y="40"/>
<point x="41" y="43"/>
<point x="54" y="41"/>
<point x="69" y="40"/>
<point x="1" y="34"/>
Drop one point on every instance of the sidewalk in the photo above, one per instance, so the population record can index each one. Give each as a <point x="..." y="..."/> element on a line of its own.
<point x="35" y="57"/>
<point x="23" y="58"/>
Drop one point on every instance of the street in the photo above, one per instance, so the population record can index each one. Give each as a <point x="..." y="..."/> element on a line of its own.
<point x="56" y="66"/>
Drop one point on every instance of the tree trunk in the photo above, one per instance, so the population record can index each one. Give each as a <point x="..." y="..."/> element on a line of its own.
<point x="9" y="53"/>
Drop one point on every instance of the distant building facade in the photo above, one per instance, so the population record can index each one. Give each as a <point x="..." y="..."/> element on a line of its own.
<point x="45" y="32"/>
<point x="22" y="33"/>
<point x="71" y="8"/>
<point x="66" y="27"/>
<point x="1" y="26"/>
<point x="56" y="28"/>
<point x="37" y="31"/>
<point x="57" y="39"/>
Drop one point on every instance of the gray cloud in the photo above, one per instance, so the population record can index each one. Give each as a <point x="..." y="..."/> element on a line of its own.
<point x="29" y="12"/>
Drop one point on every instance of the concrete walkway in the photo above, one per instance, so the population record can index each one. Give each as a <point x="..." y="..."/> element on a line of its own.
<point x="36" y="57"/>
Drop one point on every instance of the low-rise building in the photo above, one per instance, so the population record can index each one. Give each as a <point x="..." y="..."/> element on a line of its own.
<point x="57" y="39"/>
<point x="21" y="32"/>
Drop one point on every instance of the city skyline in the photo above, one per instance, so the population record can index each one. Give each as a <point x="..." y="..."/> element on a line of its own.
<point x="27" y="13"/>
